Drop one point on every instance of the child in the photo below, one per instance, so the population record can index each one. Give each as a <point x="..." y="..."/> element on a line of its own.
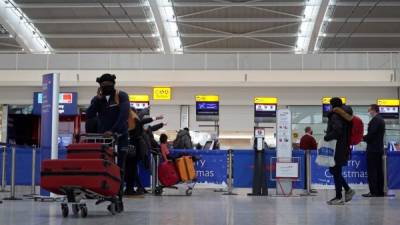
<point x="164" y="147"/>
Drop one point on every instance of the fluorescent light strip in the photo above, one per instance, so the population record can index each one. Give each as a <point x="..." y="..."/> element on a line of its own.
<point x="310" y="14"/>
<point x="29" y="34"/>
<point x="322" y="29"/>
<point x="171" y="27"/>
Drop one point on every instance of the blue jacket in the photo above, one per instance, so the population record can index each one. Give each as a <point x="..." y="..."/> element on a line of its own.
<point x="111" y="116"/>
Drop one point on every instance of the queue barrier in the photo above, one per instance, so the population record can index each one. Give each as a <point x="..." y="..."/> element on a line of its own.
<point x="212" y="168"/>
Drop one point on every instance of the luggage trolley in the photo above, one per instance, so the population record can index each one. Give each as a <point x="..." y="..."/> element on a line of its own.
<point x="178" y="171"/>
<point x="76" y="193"/>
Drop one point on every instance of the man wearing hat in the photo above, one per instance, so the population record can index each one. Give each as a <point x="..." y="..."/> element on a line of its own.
<point x="111" y="108"/>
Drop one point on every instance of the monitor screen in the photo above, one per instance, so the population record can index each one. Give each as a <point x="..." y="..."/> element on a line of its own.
<point x="389" y="112"/>
<point x="265" y="110"/>
<point x="68" y="103"/>
<point x="326" y="108"/>
<point x="207" y="108"/>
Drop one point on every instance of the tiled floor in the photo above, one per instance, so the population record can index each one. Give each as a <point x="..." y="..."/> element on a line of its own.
<point x="207" y="207"/>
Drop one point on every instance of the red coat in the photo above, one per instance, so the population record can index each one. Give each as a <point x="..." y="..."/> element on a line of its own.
<point x="307" y="142"/>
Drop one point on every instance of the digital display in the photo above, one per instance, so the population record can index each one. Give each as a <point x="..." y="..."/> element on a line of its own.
<point x="389" y="112"/>
<point x="68" y="103"/>
<point x="326" y="108"/>
<point x="207" y="108"/>
<point x="139" y="105"/>
<point x="265" y="108"/>
<point x="264" y="112"/>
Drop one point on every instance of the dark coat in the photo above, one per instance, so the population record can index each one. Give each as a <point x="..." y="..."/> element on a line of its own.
<point x="339" y="129"/>
<point x="375" y="136"/>
<point x="112" y="116"/>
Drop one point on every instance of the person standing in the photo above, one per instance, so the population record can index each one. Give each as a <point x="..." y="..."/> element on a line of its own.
<point x="339" y="129"/>
<point x="375" y="150"/>
<point x="308" y="143"/>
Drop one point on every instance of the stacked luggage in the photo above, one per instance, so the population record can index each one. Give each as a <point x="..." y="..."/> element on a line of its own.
<point x="180" y="171"/>
<point x="90" y="172"/>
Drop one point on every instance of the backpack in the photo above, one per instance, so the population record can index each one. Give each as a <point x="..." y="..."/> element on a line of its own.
<point x="132" y="116"/>
<point x="357" y="130"/>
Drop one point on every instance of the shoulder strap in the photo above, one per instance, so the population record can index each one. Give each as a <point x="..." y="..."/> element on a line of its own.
<point x="116" y="97"/>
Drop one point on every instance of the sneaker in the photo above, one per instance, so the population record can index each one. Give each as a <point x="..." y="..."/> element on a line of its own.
<point x="313" y="191"/>
<point x="369" y="195"/>
<point x="349" y="195"/>
<point x="335" y="201"/>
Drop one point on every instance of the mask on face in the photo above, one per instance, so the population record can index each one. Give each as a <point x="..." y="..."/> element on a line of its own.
<point x="107" y="90"/>
<point x="311" y="133"/>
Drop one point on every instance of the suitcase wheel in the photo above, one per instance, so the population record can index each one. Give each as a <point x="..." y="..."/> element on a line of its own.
<point x="84" y="211"/>
<point x="158" y="191"/>
<point x="75" y="209"/>
<point x="189" y="192"/>
<point x="64" y="210"/>
<point x="112" y="208"/>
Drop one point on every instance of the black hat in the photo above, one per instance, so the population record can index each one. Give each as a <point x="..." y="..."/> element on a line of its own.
<point x="106" y="77"/>
<point x="336" y="102"/>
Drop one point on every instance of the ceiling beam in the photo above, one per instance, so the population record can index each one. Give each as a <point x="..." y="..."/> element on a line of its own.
<point x="256" y="35"/>
<point x="239" y="50"/>
<point x="238" y="4"/>
<point x="81" y="21"/>
<point x="26" y="35"/>
<point x="78" y="5"/>
<point x="362" y="35"/>
<point x="318" y="24"/>
<point x="366" y="20"/>
<point x="100" y="36"/>
<point x="104" y="50"/>
<point x="366" y="3"/>
<point x="238" y="20"/>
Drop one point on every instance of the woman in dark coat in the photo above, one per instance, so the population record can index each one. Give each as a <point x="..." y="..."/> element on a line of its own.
<point x="339" y="129"/>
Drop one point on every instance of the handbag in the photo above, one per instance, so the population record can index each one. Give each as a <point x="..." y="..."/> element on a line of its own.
<point x="326" y="153"/>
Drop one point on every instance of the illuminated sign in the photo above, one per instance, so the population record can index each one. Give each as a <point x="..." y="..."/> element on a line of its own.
<point x="207" y="108"/>
<point x="68" y="103"/>
<point x="139" y="102"/>
<point x="162" y="93"/>
<point x="389" y="108"/>
<point x="265" y="109"/>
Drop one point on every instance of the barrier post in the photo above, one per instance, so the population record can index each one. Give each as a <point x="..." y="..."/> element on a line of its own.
<point x="230" y="173"/>
<point x="307" y="178"/>
<point x="154" y="172"/>
<point x="13" y="161"/>
<point x="3" y="169"/>
<point x="33" y="182"/>
<point x="385" y="176"/>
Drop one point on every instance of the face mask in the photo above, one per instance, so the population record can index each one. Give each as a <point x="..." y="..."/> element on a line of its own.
<point x="311" y="133"/>
<point x="107" y="90"/>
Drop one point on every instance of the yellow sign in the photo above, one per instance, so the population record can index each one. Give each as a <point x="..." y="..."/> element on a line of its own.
<point x="207" y="98"/>
<point x="265" y="100"/>
<point x="388" y="102"/>
<point x="162" y="93"/>
<point x="326" y="100"/>
<point x="139" y="98"/>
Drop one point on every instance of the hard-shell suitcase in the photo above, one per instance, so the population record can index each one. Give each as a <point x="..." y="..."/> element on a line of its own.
<point x="185" y="167"/>
<point x="167" y="174"/>
<point x="90" y="151"/>
<point x="96" y="175"/>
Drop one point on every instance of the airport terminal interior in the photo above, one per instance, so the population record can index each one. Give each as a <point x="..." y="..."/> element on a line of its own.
<point x="197" y="112"/>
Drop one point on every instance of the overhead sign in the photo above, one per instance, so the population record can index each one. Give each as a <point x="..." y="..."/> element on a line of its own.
<point x="265" y="109"/>
<point x="326" y="105"/>
<point x="389" y="108"/>
<point x="207" y="108"/>
<point x="139" y="102"/>
<point x="162" y="93"/>
<point x="68" y="103"/>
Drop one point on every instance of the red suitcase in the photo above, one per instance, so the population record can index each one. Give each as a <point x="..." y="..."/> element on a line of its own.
<point x="96" y="175"/>
<point x="167" y="174"/>
<point x="90" y="151"/>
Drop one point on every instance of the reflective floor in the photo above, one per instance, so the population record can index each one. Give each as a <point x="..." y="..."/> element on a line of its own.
<point x="207" y="207"/>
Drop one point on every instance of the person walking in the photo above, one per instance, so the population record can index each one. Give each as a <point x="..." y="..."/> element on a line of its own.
<point x="339" y="129"/>
<point x="375" y="150"/>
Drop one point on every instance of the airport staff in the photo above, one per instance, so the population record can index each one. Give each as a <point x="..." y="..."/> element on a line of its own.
<point x="308" y="143"/>
<point x="375" y="148"/>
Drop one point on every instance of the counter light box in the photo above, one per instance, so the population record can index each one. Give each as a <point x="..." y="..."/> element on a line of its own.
<point x="68" y="103"/>
<point x="265" y="109"/>
<point x="140" y="102"/>
<point x="207" y="108"/>
<point x="389" y="108"/>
